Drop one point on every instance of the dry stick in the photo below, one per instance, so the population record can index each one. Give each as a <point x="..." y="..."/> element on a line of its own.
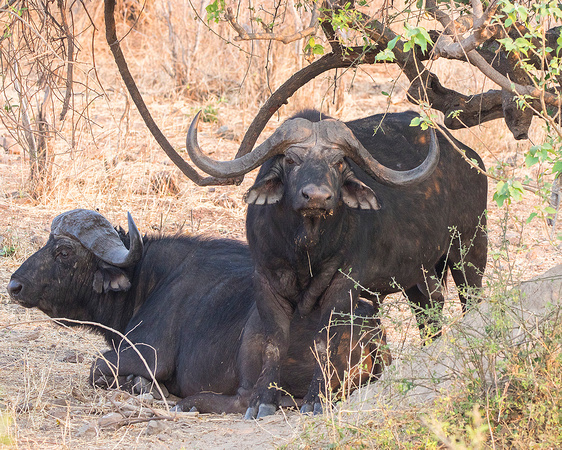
<point x="243" y="35"/>
<point x="70" y="65"/>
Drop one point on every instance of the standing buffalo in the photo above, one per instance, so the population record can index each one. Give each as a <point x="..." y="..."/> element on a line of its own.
<point x="187" y="304"/>
<point x="364" y="203"/>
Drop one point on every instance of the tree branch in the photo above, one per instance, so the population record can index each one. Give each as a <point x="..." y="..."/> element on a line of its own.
<point x="111" y="37"/>
<point x="353" y="57"/>
<point x="450" y="46"/>
<point x="70" y="64"/>
<point x="243" y="35"/>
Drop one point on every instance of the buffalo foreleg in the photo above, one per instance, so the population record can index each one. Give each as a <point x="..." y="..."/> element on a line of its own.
<point x="336" y="305"/>
<point x="276" y="313"/>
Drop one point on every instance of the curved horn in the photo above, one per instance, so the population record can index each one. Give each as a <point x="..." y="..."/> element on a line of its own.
<point x="95" y="233"/>
<point x="361" y="156"/>
<point x="289" y="133"/>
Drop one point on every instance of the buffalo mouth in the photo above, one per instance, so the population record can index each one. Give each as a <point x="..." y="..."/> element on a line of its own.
<point x="23" y="302"/>
<point x="315" y="212"/>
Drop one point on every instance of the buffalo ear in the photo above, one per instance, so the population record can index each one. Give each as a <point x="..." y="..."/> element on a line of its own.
<point x="110" y="278"/>
<point x="357" y="194"/>
<point x="268" y="189"/>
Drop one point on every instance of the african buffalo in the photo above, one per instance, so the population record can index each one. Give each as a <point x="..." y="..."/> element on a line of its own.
<point x="337" y="206"/>
<point x="187" y="303"/>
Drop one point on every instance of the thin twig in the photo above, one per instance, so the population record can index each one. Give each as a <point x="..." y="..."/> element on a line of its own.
<point x="70" y="64"/>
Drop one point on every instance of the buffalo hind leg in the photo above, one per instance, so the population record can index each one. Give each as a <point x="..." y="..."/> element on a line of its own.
<point x="426" y="300"/>
<point x="467" y="262"/>
<point x="125" y="370"/>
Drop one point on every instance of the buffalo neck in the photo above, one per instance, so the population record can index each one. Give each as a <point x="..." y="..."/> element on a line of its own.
<point x="277" y="234"/>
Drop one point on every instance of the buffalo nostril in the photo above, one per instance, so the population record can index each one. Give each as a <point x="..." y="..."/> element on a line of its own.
<point x="14" y="288"/>
<point x="316" y="193"/>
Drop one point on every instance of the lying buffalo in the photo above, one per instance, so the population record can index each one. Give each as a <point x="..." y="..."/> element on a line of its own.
<point x="374" y="203"/>
<point x="187" y="304"/>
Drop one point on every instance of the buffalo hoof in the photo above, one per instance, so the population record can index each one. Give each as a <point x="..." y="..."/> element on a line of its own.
<point x="266" y="410"/>
<point x="250" y="413"/>
<point x="180" y="408"/>
<point x="142" y="385"/>
<point x="315" y="409"/>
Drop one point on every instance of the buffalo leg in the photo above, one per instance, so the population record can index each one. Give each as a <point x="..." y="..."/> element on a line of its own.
<point x="276" y="313"/>
<point x="427" y="301"/>
<point x="339" y="299"/>
<point x="467" y="262"/>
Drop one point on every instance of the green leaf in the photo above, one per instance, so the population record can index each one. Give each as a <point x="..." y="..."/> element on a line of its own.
<point x="557" y="167"/>
<point x="385" y="55"/>
<point x="416" y="36"/>
<point x="531" y="160"/>
<point x="214" y="10"/>
<point x="415" y="122"/>
<point x="392" y="43"/>
<point x="532" y="216"/>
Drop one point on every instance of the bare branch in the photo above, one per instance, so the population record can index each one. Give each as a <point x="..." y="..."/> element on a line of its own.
<point x="517" y="89"/>
<point x="449" y="44"/>
<point x="286" y="90"/>
<point x="70" y="57"/>
<point x="111" y="37"/>
<point x="243" y="35"/>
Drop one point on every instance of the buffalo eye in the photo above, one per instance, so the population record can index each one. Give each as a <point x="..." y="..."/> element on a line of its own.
<point x="339" y="165"/>
<point x="63" y="253"/>
<point x="290" y="161"/>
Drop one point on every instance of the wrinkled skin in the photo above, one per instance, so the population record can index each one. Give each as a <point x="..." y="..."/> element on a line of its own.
<point x="317" y="225"/>
<point x="189" y="307"/>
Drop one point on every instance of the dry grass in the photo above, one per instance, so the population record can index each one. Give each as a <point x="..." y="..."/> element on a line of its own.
<point x="112" y="164"/>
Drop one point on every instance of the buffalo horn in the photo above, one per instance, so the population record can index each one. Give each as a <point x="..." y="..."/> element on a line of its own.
<point x="289" y="133"/>
<point x="337" y="131"/>
<point x="298" y="130"/>
<point x="95" y="233"/>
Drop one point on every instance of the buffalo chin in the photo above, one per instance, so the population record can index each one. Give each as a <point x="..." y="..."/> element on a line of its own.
<point x="24" y="303"/>
<point x="309" y="234"/>
<point x="315" y="213"/>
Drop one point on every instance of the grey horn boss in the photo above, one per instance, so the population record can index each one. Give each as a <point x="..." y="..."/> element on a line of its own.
<point x="95" y="233"/>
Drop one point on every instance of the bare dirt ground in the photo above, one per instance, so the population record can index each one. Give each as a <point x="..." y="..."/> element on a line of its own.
<point x="45" y="399"/>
